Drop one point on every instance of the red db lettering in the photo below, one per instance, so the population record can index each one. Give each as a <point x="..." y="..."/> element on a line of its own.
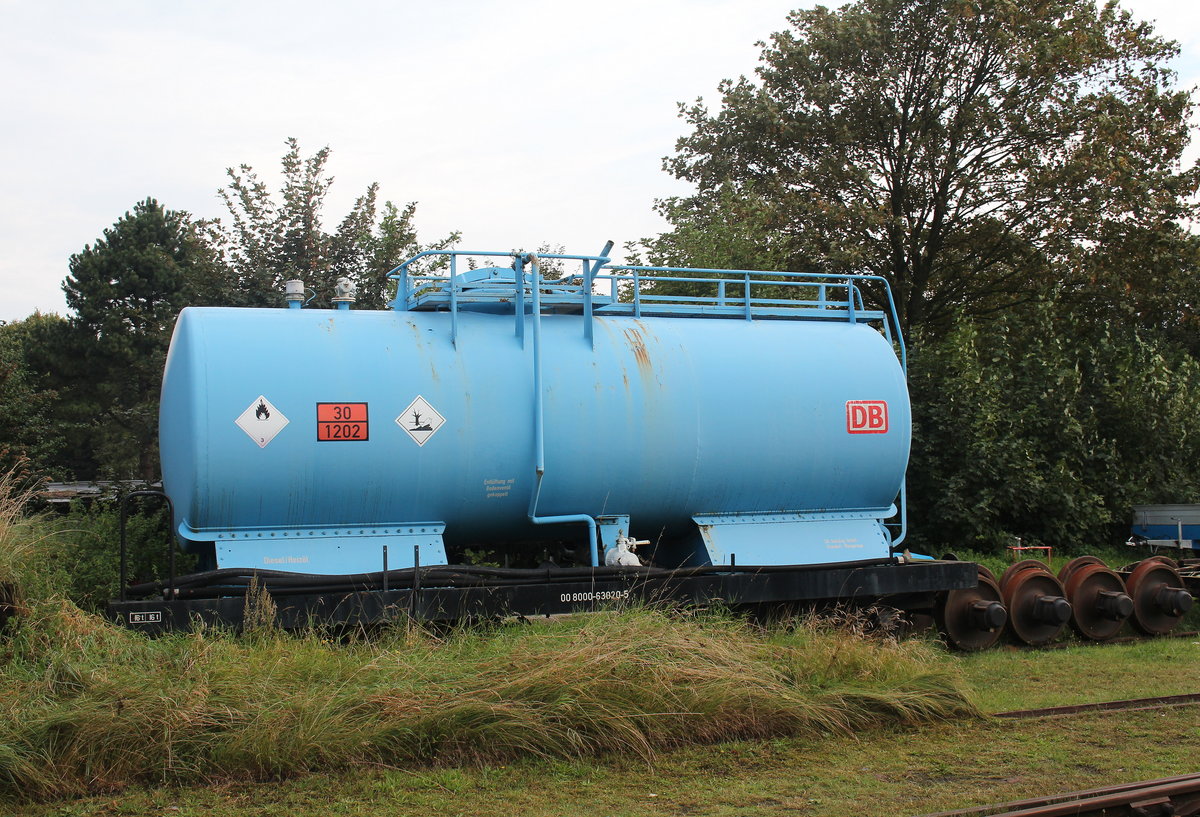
<point x="866" y="417"/>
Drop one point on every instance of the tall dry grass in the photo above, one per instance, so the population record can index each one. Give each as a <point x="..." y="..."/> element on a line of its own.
<point x="86" y="706"/>
<point x="22" y="568"/>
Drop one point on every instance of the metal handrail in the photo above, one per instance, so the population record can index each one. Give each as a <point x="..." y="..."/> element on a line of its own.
<point x="539" y="423"/>
<point x="412" y="287"/>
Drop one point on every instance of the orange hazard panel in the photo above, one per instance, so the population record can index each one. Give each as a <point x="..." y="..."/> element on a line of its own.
<point x="342" y="422"/>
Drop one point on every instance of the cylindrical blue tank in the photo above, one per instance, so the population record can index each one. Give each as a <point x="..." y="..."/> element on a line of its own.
<point x="379" y="428"/>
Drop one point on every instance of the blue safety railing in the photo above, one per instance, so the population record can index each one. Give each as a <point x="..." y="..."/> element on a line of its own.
<point x="603" y="288"/>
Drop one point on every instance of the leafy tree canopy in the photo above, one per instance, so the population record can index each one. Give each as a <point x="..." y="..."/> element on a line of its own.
<point x="270" y="241"/>
<point x="29" y="441"/>
<point x="969" y="151"/>
<point x="1054" y="446"/>
<point x="125" y="291"/>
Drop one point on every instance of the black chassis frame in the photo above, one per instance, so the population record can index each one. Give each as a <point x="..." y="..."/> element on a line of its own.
<point x="911" y="586"/>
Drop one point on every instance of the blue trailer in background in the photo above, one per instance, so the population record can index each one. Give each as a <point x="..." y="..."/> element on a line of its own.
<point x="1166" y="526"/>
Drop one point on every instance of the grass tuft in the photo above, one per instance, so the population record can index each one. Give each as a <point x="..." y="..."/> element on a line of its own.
<point x="89" y="707"/>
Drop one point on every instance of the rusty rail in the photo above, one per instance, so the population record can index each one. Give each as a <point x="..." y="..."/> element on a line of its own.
<point x="1128" y="705"/>
<point x="1166" y="797"/>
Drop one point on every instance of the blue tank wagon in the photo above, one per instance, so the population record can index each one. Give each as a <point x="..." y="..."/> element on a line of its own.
<point x="694" y="434"/>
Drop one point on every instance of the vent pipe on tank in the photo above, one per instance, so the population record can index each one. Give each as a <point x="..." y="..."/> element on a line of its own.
<point x="345" y="292"/>
<point x="293" y="293"/>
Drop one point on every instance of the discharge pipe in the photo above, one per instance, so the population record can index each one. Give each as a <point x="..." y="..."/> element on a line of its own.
<point x="539" y="420"/>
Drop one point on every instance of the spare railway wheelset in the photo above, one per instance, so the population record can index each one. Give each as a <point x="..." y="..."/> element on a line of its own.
<point x="1034" y="606"/>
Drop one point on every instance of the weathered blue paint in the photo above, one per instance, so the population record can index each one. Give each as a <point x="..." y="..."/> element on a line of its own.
<point x="664" y="419"/>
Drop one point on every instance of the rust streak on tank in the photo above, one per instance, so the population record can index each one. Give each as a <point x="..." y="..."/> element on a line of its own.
<point x="638" y="344"/>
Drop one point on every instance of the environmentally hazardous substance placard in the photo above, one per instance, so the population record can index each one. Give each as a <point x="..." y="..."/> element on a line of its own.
<point x="342" y="422"/>
<point x="262" y="421"/>
<point x="420" y="420"/>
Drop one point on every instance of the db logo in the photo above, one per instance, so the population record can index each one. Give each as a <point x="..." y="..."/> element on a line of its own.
<point x="866" y="417"/>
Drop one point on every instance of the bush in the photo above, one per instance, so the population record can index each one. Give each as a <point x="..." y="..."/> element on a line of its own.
<point x="77" y="555"/>
<point x="88" y="542"/>
<point x="1044" y="425"/>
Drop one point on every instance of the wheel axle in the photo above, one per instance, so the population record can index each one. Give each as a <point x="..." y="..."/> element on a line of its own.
<point x="1113" y="605"/>
<point x="1174" y="601"/>
<point x="988" y="614"/>
<point x="1052" y="610"/>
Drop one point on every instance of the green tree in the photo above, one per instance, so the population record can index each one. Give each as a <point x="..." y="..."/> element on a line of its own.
<point x="28" y="438"/>
<point x="969" y="151"/>
<point x="270" y="242"/>
<point x="1047" y="425"/>
<point x="125" y="291"/>
<point x="1147" y="277"/>
<point x="726" y="229"/>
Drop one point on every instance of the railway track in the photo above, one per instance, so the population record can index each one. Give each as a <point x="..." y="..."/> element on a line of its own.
<point x="1165" y="797"/>
<point x="1128" y="705"/>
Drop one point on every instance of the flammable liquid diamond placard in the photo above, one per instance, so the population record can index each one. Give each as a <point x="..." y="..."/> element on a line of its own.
<point x="262" y="421"/>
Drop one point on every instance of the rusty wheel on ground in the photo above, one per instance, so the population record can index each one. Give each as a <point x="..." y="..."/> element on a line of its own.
<point x="1037" y="610"/>
<point x="1020" y="567"/>
<point x="972" y="619"/>
<point x="1099" y="604"/>
<point x="1159" y="597"/>
<point x="1064" y="574"/>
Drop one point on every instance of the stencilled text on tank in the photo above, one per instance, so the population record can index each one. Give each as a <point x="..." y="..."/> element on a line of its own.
<point x="838" y="544"/>
<point x="497" y="488"/>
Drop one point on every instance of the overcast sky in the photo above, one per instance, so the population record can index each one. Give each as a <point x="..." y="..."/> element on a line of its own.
<point x="516" y="123"/>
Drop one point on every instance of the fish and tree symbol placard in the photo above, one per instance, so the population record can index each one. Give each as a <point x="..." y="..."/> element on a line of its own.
<point x="420" y="420"/>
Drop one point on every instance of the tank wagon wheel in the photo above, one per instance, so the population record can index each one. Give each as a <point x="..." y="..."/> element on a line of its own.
<point x="1159" y="598"/>
<point x="1099" y="603"/>
<point x="1037" y="611"/>
<point x="1064" y="575"/>
<point x="1020" y="567"/>
<point x="972" y="619"/>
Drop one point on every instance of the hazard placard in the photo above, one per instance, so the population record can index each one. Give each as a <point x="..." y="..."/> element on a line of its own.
<point x="420" y="420"/>
<point x="261" y="421"/>
<point x="342" y="422"/>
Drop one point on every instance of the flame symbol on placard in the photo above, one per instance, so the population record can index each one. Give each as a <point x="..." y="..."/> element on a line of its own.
<point x="261" y="412"/>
